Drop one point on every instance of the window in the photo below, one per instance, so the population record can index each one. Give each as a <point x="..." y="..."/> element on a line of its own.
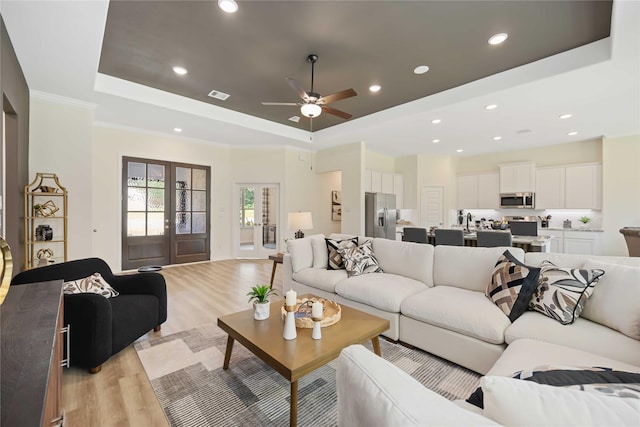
<point x="247" y="218"/>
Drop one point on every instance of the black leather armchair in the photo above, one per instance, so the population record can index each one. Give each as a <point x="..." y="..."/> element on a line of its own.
<point x="101" y="327"/>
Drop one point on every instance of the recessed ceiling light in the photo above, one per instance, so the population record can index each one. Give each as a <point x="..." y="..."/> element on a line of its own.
<point x="435" y="141"/>
<point x="491" y="107"/>
<point x="459" y="150"/>
<point x="180" y="70"/>
<point x="421" y="69"/>
<point x="229" y="6"/>
<point x="497" y="138"/>
<point x="498" y="38"/>
<point x="572" y="133"/>
<point x="177" y="130"/>
<point x="375" y="88"/>
<point x="436" y="121"/>
<point x="565" y="116"/>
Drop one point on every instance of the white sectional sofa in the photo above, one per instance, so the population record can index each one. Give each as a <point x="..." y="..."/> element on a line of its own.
<point x="435" y="300"/>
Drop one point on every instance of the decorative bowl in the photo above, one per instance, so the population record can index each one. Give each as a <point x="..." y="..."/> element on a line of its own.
<point x="331" y="312"/>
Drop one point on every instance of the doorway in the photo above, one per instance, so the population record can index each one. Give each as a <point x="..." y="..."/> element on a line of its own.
<point x="165" y="213"/>
<point x="258" y="207"/>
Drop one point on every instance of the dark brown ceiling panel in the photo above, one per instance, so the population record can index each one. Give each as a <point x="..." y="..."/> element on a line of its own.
<point x="250" y="54"/>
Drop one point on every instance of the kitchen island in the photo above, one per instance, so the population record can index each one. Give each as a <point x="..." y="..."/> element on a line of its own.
<point x="527" y="243"/>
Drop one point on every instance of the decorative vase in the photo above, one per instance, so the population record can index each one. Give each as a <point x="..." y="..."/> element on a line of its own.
<point x="261" y="310"/>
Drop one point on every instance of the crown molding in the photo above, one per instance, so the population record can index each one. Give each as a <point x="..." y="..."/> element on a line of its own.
<point x="62" y="99"/>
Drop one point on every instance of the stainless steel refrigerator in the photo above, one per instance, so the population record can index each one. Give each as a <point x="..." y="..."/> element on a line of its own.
<point x="380" y="215"/>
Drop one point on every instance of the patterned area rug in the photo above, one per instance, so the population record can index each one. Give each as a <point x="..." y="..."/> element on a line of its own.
<point x="186" y="373"/>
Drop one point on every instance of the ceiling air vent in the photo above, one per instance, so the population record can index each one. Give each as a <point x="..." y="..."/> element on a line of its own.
<point x="295" y="119"/>
<point x="521" y="131"/>
<point x="219" y="95"/>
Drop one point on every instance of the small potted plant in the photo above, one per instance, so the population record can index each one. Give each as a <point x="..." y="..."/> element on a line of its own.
<point x="260" y="296"/>
<point x="584" y="220"/>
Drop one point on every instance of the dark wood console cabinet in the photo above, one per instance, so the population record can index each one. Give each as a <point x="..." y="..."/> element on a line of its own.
<point x="32" y="345"/>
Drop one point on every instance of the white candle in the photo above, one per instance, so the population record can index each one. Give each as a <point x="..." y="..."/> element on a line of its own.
<point x="290" y="298"/>
<point x="316" y="309"/>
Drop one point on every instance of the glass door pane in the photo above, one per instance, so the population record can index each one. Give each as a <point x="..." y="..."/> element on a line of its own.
<point x="258" y="212"/>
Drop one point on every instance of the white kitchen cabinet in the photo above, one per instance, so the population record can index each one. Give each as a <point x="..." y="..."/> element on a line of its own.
<point x="387" y="183"/>
<point x="489" y="191"/>
<point x="367" y="181"/>
<point x="517" y="178"/>
<point x="550" y="188"/>
<point x="583" y="187"/>
<point x="398" y="190"/>
<point x="479" y="191"/>
<point x="557" y="239"/>
<point x="468" y="192"/>
<point x="582" y="242"/>
<point x="376" y="182"/>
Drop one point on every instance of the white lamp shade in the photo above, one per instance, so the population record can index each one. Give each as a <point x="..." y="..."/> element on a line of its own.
<point x="310" y="110"/>
<point x="300" y="221"/>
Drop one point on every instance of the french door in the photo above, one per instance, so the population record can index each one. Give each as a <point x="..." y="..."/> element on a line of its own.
<point x="165" y="213"/>
<point x="258" y="210"/>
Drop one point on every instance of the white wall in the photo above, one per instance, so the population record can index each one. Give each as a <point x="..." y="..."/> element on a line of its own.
<point x="562" y="154"/>
<point x="325" y="183"/>
<point x="60" y="142"/>
<point x="620" y="190"/>
<point x="379" y="162"/>
<point x="111" y="144"/>
<point x="350" y="159"/>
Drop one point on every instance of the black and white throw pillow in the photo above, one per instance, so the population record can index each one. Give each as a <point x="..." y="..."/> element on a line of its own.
<point x="562" y="292"/>
<point x="94" y="284"/>
<point x="335" y="259"/>
<point x="360" y="259"/>
<point x="512" y="284"/>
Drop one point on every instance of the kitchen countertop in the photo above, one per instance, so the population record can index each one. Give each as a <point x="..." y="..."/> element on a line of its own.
<point x="530" y="240"/>
<point x="596" y="230"/>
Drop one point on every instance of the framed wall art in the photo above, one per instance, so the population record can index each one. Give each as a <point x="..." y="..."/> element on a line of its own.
<point x="336" y="205"/>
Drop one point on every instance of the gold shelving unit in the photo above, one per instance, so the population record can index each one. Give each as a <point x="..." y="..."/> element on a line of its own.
<point x="45" y="204"/>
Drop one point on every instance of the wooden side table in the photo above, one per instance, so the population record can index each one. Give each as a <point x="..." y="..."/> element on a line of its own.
<point x="277" y="259"/>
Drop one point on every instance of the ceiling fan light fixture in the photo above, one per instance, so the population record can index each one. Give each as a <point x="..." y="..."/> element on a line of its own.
<point x="310" y="110"/>
<point x="229" y="6"/>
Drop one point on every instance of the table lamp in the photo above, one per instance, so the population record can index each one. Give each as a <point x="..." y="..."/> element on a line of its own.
<point x="300" y="221"/>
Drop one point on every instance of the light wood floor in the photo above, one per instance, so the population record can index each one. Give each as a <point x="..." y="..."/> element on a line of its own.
<point x="121" y="395"/>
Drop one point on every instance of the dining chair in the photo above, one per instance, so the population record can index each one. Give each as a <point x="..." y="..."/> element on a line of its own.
<point x="449" y="237"/>
<point x="414" y="234"/>
<point x="492" y="239"/>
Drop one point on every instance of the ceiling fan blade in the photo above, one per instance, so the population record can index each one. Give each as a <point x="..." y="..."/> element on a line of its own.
<point x="347" y="93"/>
<point x="295" y="86"/>
<point x="281" y="103"/>
<point x="335" y="112"/>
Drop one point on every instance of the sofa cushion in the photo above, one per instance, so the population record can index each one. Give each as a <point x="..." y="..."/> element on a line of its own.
<point x="413" y="260"/>
<point x="382" y="291"/>
<point x="335" y="259"/>
<point x="582" y="334"/>
<point x="320" y="251"/>
<point x="373" y="392"/>
<point x="320" y="278"/>
<point x="466" y="267"/>
<point x="512" y="284"/>
<point x="510" y="401"/>
<point x="616" y="300"/>
<point x="359" y="259"/>
<point x="526" y="353"/>
<point x="562" y="292"/>
<point x="301" y="253"/>
<point x="467" y="312"/>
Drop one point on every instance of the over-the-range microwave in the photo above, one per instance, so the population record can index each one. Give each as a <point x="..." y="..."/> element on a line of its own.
<point x="517" y="200"/>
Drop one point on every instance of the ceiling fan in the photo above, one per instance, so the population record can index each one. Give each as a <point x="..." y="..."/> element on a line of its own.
<point x="313" y="104"/>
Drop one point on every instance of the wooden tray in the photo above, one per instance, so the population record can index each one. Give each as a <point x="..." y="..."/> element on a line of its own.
<point x="331" y="312"/>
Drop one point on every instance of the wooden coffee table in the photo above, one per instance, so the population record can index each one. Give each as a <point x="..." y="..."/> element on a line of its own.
<point x="296" y="358"/>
